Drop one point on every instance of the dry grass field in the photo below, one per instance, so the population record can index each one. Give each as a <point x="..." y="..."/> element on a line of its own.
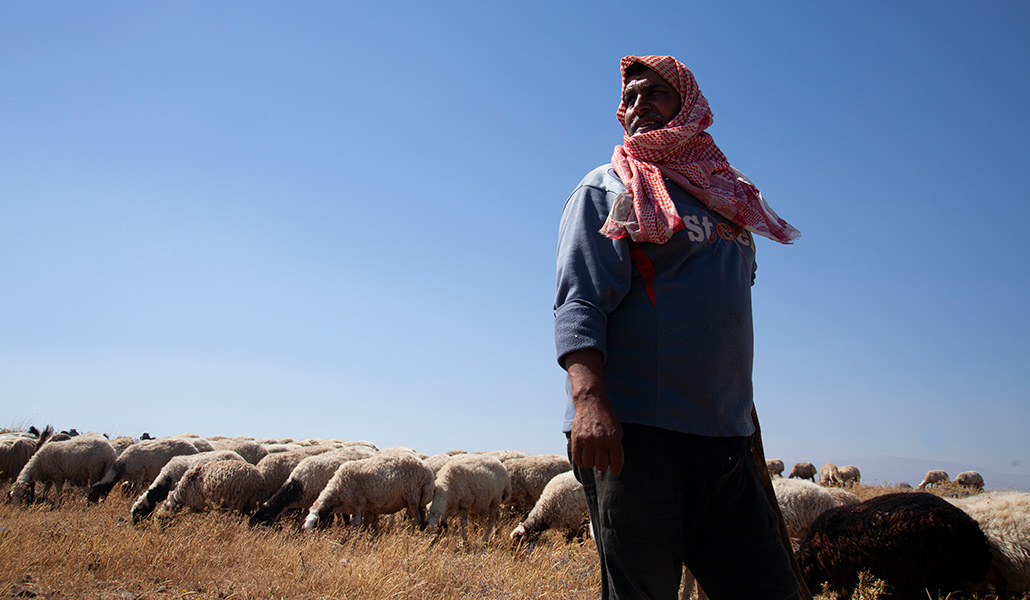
<point x="81" y="551"/>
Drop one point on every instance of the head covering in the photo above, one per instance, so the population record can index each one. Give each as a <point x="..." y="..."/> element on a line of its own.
<point x="686" y="154"/>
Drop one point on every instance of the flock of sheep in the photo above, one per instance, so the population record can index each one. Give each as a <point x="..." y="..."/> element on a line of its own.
<point x="913" y="541"/>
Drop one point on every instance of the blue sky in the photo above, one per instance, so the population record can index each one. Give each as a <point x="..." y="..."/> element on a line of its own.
<point x="329" y="219"/>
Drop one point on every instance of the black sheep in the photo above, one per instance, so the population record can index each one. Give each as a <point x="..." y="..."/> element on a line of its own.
<point x="914" y="542"/>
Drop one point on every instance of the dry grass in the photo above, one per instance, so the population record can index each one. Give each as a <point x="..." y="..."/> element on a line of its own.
<point x="80" y="551"/>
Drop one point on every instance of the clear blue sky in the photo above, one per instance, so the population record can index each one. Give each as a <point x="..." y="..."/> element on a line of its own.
<point x="336" y="219"/>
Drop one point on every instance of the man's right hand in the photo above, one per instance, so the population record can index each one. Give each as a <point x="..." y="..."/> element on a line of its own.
<point x="596" y="431"/>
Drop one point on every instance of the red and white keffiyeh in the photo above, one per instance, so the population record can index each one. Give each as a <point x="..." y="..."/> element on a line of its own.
<point x="686" y="154"/>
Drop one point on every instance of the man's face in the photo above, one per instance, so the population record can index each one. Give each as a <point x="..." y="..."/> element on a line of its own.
<point x="650" y="102"/>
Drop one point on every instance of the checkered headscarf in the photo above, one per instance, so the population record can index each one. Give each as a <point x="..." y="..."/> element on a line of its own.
<point x="686" y="154"/>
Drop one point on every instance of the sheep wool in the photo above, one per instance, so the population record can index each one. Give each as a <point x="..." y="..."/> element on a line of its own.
<point x="229" y="485"/>
<point x="470" y="484"/>
<point x="140" y="463"/>
<point x="1004" y="517"/>
<point x="801" y="502"/>
<point x="378" y="485"/>
<point x="81" y="460"/>
<point x="915" y="542"/>
<point x="169" y="477"/>
<point x="562" y="506"/>
<point x="803" y="470"/>
<point x="530" y="475"/>
<point x="306" y="481"/>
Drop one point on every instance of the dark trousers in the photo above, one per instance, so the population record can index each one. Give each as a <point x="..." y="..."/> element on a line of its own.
<point x="689" y="500"/>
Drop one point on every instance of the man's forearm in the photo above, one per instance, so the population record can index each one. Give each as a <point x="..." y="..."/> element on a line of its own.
<point x="596" y="431"/>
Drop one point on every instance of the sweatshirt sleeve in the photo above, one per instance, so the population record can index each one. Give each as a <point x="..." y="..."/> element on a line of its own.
<point x="593" y="273"/>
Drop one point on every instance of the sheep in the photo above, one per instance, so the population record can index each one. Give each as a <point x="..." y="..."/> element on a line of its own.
<point x="801" y="502"/>
<point x="562" y="506"/>
<point x="468" y="484"/>
<point x="529" y="476"/>
<point x="829" y="474"/>
<point x="230" y="485"/>
<point x="140" y="463"/>
<point x="934" y="477"/>
<point x="774" y="466"/>
<point x="16" y="449"/>
<point x="81" y="460"/>
<point x="252" y="451"/>
<point x="843" y="497"/>
<point x="378" y="485"/>
<point x="121" y="443"/>
<point x="803" y="470"/>
<point x="850" y="475"/>
<point x="914" y="542"/>
<point x="305" y="482"/>
<point x="277" y="466"/>
<point x="169" y="476"/>
<point x="970" y="479"/>
<point x="1004" y="517"/>
<point x="504" y="455"/>
<point x="437" y="461"/>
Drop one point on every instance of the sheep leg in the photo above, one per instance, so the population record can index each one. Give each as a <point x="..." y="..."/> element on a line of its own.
<point x="495" y="508"/>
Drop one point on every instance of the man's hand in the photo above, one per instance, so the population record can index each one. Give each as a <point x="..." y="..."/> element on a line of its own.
<point x="596" y="431"/>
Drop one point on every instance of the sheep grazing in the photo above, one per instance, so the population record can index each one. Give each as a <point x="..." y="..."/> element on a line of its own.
<point x="1004" y="517"/>
<point x="914" y="542"/>
<point x="803" y="470"/>
<point x="16" y="449"/>
<point x="843" y="497"/>
<point x="829" y="474"/>
<point x="470" y="484"/>
<point x="305" y="482"/>
<point x="529" y="476"/>
<point x="934" y="477"/>
<point x="774" y="466"/>
<point x="250" y="450"/>
<point x="970" y="479"/>
<point x="562" y="506"/>
<point x="169" y="476"/>
<point x="139" y="464"/>
<point x="277" y="466"/>
<point x="121" y="443"/>
<point x="378" y="485"/>
<point x="850" y="475"/>
<point x="81" y="460"/>
<point x="230" y="485"/>
<point x="801" y="502"/>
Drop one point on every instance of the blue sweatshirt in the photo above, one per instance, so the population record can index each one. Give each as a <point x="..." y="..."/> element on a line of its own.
<point x="672" y="321"/>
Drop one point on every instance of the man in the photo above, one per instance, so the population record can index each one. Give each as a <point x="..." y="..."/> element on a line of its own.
<point x="653" y="325"/>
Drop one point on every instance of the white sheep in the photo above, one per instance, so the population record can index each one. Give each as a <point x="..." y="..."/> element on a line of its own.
<point x="529" y="476"/>
<point x="850" y="475"/>
<point x="562" y="506"/>
<point x="803" y="470"/>
<point x="774" y="466"/>
<point x="277" y="466"/>
<point x="801" y="502"/>
<point x="1004" y="517"/>
<point x="933" y="477"/>
<point x="231" y="485"/>
<point x="16" y="448"/>
<point x="81" y="460"/>
<point x="470" y="484"/>
<point x="252" y="451"/>
<point x="829" y="475"/>
<point x="306" y="481"/>
<point x="843" y="497"/>
<point x="169" y="477"/>
<point x="140" y="463"/>
<point x="504" y="455"/>
<point x="970" y="479"/>
<point x="381" y="484"/>
<point x="122" y="442"/>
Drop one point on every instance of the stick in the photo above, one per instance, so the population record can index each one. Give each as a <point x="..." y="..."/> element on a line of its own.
<point x="770" y="494"/>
